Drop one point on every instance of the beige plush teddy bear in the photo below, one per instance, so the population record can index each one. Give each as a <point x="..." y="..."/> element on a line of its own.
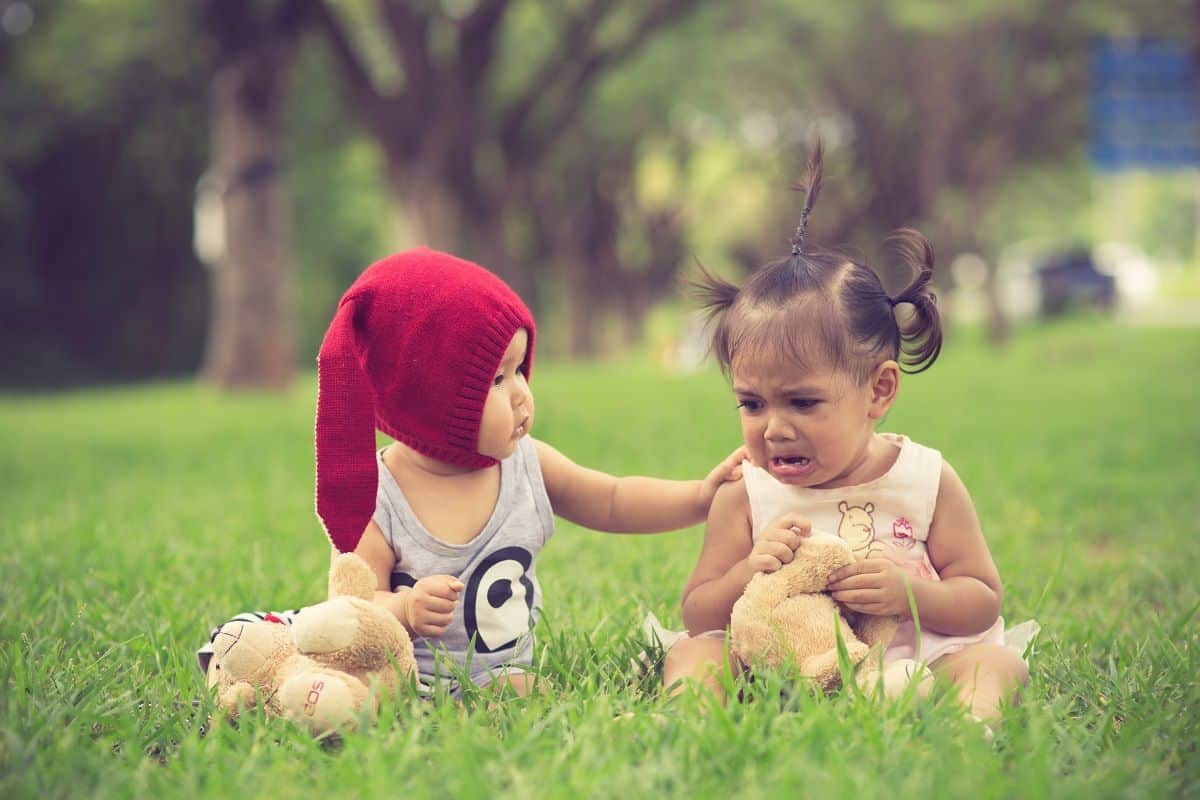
<point x="788" y="615"/>
<point x="325" y="668"/>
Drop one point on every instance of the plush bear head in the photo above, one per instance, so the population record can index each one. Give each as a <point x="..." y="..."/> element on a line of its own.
<point x="248" y="651"/>
<point x="819" y="555"/>
<point x="256" y="661"/>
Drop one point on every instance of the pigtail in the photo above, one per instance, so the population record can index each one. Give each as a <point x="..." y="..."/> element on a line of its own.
<point x="715" y="293"/>
<point x="716" y="296"/>
<point x="811" y="186"/>
<point x="921" y="333"/>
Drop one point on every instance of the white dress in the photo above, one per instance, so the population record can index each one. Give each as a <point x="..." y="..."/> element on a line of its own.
<point x="888" y="517"/>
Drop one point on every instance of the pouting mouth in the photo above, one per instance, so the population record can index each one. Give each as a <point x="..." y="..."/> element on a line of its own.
<point x="798" y="461"/>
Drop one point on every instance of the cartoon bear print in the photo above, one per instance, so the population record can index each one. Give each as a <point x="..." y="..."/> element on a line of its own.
<point x="857" y="528"/>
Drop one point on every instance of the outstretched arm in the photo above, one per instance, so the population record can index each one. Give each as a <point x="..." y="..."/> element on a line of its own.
<point x="635" y="504"/>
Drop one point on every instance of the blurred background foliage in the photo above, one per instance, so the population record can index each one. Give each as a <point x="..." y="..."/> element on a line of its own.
<point x="588" y="151"/>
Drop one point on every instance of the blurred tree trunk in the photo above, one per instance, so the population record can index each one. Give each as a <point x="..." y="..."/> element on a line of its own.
<point x="578" y="232"/>
<point x="251" y="330"/>
<point x="461" y="162"/>
<point x="591" y="207"/>
<point x="981" y="108"/>
<point x="944" y="59"/>
<point x="664" y="237"/>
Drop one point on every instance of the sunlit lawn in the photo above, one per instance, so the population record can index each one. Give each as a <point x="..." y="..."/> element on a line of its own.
<point x="134" y="519"/>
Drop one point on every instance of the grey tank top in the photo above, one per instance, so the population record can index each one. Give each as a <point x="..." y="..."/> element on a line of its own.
<point x="501" y="602"/>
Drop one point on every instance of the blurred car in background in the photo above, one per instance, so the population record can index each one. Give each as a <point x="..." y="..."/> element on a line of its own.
<point x="1070" y="280"/>
<point x="1034" y="279"/>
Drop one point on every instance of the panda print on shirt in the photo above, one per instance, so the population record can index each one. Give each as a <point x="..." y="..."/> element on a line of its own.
<point x="498" y="603"/>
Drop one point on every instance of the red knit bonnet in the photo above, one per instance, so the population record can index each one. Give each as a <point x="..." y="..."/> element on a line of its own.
<point x="412" y="350"/>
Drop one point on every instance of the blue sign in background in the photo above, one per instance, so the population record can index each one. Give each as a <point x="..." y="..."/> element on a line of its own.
<point x="1145" y="108"/>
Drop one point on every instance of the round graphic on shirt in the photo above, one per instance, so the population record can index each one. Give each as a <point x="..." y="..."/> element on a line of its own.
<point x="499" y="600"/>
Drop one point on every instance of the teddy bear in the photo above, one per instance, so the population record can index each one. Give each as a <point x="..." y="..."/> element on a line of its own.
<point x="788" y="615"/>
<point x="327" y="667"/>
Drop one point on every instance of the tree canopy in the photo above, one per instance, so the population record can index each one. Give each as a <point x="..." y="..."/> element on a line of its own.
<point x="588" y="151"/>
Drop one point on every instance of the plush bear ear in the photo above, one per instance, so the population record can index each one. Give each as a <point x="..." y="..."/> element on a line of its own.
<point x="843" y="506"/>
<point x="349" y="575"/>
<point x="213" y="672"/>
<point x="869" y="507"/>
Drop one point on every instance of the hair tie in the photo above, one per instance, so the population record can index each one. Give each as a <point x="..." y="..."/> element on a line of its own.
<point x="798" y="236"/>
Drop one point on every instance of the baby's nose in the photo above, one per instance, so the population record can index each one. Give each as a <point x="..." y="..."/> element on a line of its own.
<point x="778" y="430"/>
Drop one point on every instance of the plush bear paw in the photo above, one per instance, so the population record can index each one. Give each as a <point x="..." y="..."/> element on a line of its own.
<point x="320" y="701"/>
<point x="326" y="628"/>
<point x="236" y="697"/>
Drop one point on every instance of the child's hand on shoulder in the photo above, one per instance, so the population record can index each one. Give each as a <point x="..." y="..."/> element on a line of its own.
<point x="873" y="586"/>
<point x="778" y="542"/>
<point x="428" y="607"/>
<point x="730" y="469"/>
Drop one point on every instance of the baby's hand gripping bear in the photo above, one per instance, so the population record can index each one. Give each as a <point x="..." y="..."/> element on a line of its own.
<point x="788" y="615"/>
<point x="320" y="670"/>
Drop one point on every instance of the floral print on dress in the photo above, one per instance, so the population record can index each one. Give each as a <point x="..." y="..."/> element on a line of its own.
<point x="914" y="562"/>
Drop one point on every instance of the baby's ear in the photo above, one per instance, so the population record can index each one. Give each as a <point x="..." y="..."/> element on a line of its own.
<point x="885" y="384"/>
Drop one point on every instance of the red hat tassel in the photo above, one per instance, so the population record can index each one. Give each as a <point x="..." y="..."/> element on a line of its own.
<point x="347" y="476"/>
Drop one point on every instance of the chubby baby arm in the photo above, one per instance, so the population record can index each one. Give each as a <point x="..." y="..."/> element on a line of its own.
<point x="424" y="609"/>
<point x="966" y="599"/>
<point x="632" y="504"/>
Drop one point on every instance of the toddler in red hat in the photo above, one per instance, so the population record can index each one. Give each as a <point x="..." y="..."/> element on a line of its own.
<point x="437" y="353"/>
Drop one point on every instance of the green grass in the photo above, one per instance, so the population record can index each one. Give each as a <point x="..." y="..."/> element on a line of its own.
<point x="133" y="519"/>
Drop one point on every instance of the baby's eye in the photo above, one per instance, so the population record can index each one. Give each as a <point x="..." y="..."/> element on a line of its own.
<point x="750" y="405"/>
<point x="804" y="402"/>
<point x="499" y="379"/>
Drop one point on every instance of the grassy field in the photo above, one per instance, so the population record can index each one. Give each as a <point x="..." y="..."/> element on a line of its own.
<point x="134" y="519"/>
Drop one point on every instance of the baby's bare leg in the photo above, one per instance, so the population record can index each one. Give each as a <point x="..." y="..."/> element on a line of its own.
<point x="986" y="675"/>
<point x="701" y="661"/>
<point x="521" y="683"/>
